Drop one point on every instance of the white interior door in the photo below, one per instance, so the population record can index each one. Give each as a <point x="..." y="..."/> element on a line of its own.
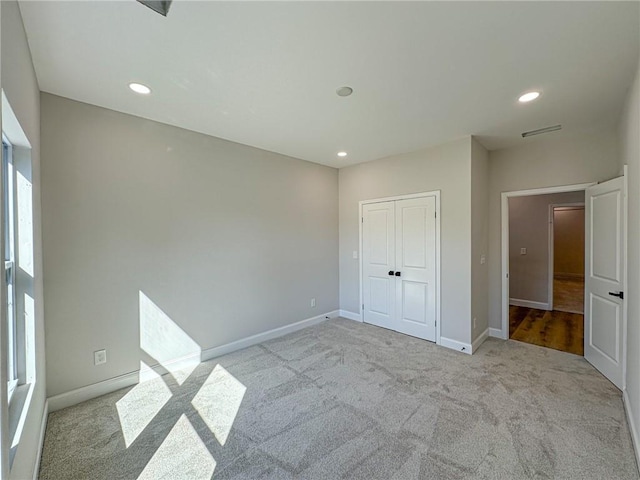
<point x="415" y="267"/>
<point x="604" y="278"/>
<point x="378" y="258"/>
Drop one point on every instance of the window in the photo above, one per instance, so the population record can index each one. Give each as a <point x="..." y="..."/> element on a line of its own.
<point x="9" y="263"/>
<point x="16" y="244"/>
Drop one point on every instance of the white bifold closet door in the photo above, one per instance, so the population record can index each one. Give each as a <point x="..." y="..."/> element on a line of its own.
<point x="399" y="266"/>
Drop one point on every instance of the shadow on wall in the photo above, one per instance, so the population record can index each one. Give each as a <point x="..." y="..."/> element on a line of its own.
<point x="175" y="421"/>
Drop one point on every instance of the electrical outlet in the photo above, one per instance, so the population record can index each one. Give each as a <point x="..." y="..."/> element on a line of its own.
<point x="523" y="251"/>
<point x="474" y="323"/>
<point x="313" y="302"/>
<point x="99" y="357"/>
<point x="355" y="254"/>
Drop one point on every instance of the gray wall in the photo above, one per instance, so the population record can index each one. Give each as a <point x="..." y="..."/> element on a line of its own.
<point x="446" y="168"/>
<point x="529" y="228"/>
<point x="630" y="154"/>
<point x="568" y="241"/>
<point x="545" y="161"/>
<point x="227" y="240"/>
<point x="479" y="238"/>
<point x="21" y="88"/>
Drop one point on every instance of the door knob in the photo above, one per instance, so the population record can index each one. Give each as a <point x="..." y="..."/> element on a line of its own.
<point x="391" y="272"/>
<point x="613" y="294"/>
<point x="397" y="274"/>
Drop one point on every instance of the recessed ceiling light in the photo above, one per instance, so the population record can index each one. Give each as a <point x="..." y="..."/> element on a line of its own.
<point x="342" y="154"/>
<point x="140" y="88"/>
<point x="344" y="91"/>
<point x="527" y="97"/>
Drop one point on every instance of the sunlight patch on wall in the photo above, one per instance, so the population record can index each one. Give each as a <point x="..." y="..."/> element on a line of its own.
<point x="218" y="402"/>
<point x="182" y="455"/>
<point x="140" y="405"/>
<point x="166" y="342"/>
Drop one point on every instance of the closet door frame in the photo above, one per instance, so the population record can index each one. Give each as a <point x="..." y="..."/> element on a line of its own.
<point x="434" y="193"/>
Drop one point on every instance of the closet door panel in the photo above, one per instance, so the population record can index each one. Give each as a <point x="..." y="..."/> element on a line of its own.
<point x="378" y="259"/>
<point x="415" y="235"/>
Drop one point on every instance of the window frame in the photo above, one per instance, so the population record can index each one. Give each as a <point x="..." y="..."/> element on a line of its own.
<point x="9" y="232"/>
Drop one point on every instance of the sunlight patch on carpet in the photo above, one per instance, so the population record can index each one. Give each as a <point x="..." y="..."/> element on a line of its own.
<point x="218" y="402"/>
<point x="140" y="405"/>
<point x="182" y="456"/>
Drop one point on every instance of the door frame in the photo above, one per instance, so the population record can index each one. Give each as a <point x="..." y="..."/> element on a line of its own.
<point x="504" y="253"/>
<point x="552" y="208"/>
<point x="361" y="203"/>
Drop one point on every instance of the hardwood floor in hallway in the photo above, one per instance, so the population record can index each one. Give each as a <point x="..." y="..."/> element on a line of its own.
<point x="568" y="294"/>
<point x="562" y="331"/>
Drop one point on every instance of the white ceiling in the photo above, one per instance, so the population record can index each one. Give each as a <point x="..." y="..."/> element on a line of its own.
<point x="265" y="73"/>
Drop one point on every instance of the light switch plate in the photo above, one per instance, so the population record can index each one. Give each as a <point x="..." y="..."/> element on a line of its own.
<point x="523" y="251"/>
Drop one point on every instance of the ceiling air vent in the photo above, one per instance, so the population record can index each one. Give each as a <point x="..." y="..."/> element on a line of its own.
<point x="159" y="6"/>
<point x="541" y="131"/>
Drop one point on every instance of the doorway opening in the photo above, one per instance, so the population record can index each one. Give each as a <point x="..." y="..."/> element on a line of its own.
<point x="545" y="281"/>
<point x="566" y="261"/>
<point x="605" y="272"/>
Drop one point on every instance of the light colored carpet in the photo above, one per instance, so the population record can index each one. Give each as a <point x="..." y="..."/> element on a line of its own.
<point x="348" y="400"/>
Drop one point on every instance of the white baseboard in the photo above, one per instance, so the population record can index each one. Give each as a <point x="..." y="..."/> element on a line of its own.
<point x="43" y="429"/>
<point x="82" y="394"/>
<point x="497" y="333"/>
<point x="214" y="352"/>
<point x="632" y="426"/>
<point x="517" y="302"/>
<point x="479" y="341"/>
<point x="350" y="315"/>
<point x="456" y="345"/>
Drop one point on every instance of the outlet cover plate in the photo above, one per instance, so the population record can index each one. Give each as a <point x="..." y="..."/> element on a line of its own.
<point x="99" y="357"/>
